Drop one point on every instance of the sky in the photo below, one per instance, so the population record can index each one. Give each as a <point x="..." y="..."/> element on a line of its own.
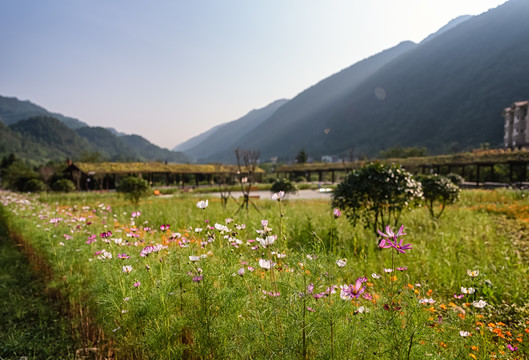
<point x="171" y="69"/>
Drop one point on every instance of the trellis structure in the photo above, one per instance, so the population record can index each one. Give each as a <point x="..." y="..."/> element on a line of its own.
<point x="479" y="166"/>
<point x="107" y="174"/>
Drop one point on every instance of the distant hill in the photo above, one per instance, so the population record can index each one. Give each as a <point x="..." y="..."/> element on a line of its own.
<point x="108" y="144"/>
<point x="45" y="138"/>
<point x="40" y="136"/>
<point x="291" y="115"/>
<point x="13" y="110"/>
<point x="446" y="94"/>
<point x="224" y="138"/>
<point x="151" y="152"/>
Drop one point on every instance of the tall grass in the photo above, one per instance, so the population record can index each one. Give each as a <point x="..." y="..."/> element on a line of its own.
<point x="208" y="297"/>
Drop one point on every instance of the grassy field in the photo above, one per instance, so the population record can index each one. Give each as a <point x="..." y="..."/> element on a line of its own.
<point x="177" y="281"/>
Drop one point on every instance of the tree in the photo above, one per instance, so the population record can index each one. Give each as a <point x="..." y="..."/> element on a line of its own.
<point x="224" y="182"/>
<point x="376" y="194"/>
<point x="438" y="191"/>
<point x="301" y="157"/>
<point x="134" y="188"/>
<point x="247" y="160"/>
<point x="283" y="185"/>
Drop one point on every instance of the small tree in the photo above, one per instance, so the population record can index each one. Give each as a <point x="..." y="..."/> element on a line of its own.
<point x="283" y="185"/>
<point x="438" y="192"/>
<point x="63" y="185"/>
<point x="376" y="194"/>
<point x="301" y="157"/>
<point x="134" y="188"/>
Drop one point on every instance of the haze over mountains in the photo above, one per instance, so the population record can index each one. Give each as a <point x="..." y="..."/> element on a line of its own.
<point x="446" y="94"/>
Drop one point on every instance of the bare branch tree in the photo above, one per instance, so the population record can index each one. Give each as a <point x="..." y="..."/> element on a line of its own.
<point x="247" y="160"/>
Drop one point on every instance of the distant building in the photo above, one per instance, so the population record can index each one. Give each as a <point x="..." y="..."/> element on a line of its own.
<point x="516" y="133"/>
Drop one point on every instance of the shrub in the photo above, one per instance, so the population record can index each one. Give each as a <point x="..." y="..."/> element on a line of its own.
<point x="63" y="185"/>
<point x="34" y="185"/>
<point x="283" y="185"/>
<point x="376" y="194"/>
<point x="438" y="189"/>
<point x="455" y="178"/>
<point x="134" y="188"/>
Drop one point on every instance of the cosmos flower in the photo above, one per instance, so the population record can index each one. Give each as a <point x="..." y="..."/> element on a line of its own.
<point x="479" y="304"/>
<point x="266" y="264"/>
<point x="341" y="262"/>
<point x="464" y="333"/>
<point x="473" y="273"/>
<point x="467" y="291"/>
<point x="127" y="269"/>
<point x="203" y="204"/>
<point x="337" y="213"/>
<point x="278" y="196"/>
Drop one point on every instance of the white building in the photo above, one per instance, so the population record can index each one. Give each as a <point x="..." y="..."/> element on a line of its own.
<point x="516" y="134"/>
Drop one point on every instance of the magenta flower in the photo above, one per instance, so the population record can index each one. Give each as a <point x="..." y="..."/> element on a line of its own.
<point x="337" y="213"/>
<point x="354" y="291"/>
<point x="123" y="256"/>
<point x="402" y="268"/>
<point x="165" y="227"/>
<point x="512" y="348"/>
<point x="136" y="284"/>
<point x="390" y="240"/>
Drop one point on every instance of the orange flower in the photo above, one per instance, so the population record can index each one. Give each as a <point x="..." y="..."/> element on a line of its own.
<point x="508" y="333"/>
<point x="442" y="306"/>
<point x="492" y="325"/>
<point x="475" y="348"/>
<point x="479" y="323"/>
<point x="429" y="292"/>
<point x="461" y="315"/>
<point x="500" y="324"/>
<point x="473" y="356"/>
<point x="526" y="330"/>
<point x="479" y="316"/>
<point x="410" y="286"/>
<point x="443" y="344"/>
<point x="519" y="340"/>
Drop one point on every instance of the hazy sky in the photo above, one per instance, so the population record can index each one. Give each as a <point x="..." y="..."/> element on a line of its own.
<point x="171" y="69"/>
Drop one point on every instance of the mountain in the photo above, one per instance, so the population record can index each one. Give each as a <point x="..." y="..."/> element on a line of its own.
<point x="445" y="94"/>
<point x="38" y="135"/>
<point x="151" y="152"/>
<point x="291" y="115"/>
<point x="13" y="110"/>
<point x="108" y="144"/>
<point x="45" y="138"/>
<point x="223" y="139"/>
<point x="451" y="24"/>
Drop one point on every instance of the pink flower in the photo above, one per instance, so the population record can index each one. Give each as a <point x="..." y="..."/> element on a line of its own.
<point x="337" y="213"/>
<point x="136" y="284"/>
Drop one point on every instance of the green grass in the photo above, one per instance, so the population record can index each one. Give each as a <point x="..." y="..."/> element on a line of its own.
<point x="31" y="325"/>
<point x="226" y="315"/>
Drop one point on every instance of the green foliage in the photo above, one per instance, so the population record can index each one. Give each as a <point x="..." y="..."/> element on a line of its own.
<point x="398" y="152"/>
<point x="438" y="191"/>
<point x="34" y="185"/>
<point x="283" y="185"/>
<point x="456" y="179"/>
<point x="63" y="185"/>
<point x="301" y="157"/>
<point x="134" y="188"/>
<point x="376" y="194"/>
<point x="20" y="177"/>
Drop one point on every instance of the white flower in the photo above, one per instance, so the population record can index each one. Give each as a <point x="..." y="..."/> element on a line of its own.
<point x="194" y="258"/>
<point x="198" y="230"/>
<point x="375" y="276"/>
<point x="105" y="255"/>
<point x="278" y="196"/>
<point x="479" y="304"/>
<point x="341" y="262"/>
<point x="388" y="270"/>
<point x="426" y="301"/>
<point x="221" y="227"/>
<point x="467" y="291"/>
<point x="464" y="333"/>
<point x="473" y="273"/>
<point x="202" y="204"/>
<point x="266" y="264"/>
<point x="127" y="269"/>
<point x="269" y="240"/>
<point x="118" y="241"/>
<point x="363" y="309"/>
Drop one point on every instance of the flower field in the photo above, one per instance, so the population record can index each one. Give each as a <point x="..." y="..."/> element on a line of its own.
<point x="184" y="277"/>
